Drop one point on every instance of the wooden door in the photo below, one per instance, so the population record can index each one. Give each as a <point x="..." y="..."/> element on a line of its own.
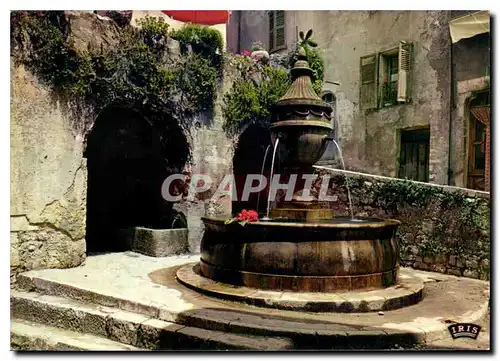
<point x="414" y="155"/>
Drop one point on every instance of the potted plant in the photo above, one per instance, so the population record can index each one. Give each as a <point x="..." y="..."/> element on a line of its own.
<point x="389" y="93"/>
<point x="259" y="53"/>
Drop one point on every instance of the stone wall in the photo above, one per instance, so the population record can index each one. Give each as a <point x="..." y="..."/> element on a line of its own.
<point x="443" y="229"/>
<point x="48" y="180"/>
<point x="212" y="153"/>
<point x="49" y="172"/>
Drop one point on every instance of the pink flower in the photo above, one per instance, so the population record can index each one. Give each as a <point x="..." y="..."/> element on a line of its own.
<point x="246" y="52"/>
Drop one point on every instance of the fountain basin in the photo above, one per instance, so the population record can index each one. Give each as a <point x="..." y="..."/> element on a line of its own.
<point x="321" y="256"/>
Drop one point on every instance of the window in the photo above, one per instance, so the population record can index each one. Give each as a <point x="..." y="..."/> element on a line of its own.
<point x="414" y="155"/>
<point x="389" y="77"/>
<point x="385" y="77"/>
<point x="276" y="30"/>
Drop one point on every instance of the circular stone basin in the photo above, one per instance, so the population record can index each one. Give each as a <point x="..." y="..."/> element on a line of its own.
<point x="408" y="291"/>
<point x="287" y="255"/>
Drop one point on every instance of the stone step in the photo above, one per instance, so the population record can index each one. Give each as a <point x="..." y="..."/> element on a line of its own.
<point x="32" y="336"/>
<point x="304" y="335"/>
<point x="130" y="328"/>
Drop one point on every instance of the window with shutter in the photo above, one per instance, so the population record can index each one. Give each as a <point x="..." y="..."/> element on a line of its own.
<point x="276" y="30"/>
<point x="386" y="77"/>
<point x="404" y="55"/>
<point x="368" y="89"/>
<point x="280" y="28"/>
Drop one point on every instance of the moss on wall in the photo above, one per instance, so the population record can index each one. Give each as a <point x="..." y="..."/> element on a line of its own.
<point x="443" y="229"/>
<point x="136" y="68"/>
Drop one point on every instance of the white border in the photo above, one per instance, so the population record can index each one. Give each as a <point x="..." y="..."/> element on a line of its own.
<point x="201" y="5"/>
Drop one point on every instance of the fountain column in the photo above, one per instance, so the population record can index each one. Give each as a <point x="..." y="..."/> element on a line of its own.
<point x="301" y="120"/>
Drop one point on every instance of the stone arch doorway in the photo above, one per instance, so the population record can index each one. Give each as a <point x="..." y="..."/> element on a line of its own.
<point x="247" y="159"/>
<point x="130" y="152"/>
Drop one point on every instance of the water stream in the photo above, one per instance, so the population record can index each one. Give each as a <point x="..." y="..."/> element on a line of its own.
<point x="262" y="173"/>
<point x="345" y="177"/>
<point x="271" y="178"/>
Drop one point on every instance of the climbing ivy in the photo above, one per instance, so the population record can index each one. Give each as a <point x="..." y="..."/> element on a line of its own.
<point x="252" y="95"/>
<point x="136" y="69"/>
<point x="260" y="86"/>
<point x="203" y="40"/>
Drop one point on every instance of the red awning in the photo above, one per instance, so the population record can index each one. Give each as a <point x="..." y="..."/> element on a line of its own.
<point x="205" y="17"/>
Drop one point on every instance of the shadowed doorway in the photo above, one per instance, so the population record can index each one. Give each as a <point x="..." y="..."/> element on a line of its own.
<point x="129" y="154"/>
<point x="247" y="159"/>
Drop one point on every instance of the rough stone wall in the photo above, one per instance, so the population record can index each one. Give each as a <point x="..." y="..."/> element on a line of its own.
<point x="438" y="232"/>
<point x="49" y="174"/>
<point x="344" y="37"/>
<point x="211" y="154"/>
<point x="48" y="180"/>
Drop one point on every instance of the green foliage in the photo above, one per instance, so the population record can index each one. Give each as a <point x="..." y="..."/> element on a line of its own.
<point x="197" y="80"/>
<point x="204" y="41"/>
<point x="261" y="86"/>
<point x="134" y="70"/>
<point x="154" y="32"/>
<point x="257" y="45"/>
<point x="315" y="60"/>
<point x="51" y="58"/>
<point x="249" y="100"/>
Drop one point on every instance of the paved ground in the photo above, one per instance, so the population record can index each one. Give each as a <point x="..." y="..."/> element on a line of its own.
<point x="151" y="282"/>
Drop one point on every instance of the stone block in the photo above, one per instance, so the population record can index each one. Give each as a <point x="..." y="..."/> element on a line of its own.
<point x="460" y="263"/>
<point x="471" y="264"/>
<point x="454" y="271"/>
<point x="159" y="242"/>
<point x="485" y="263"/>
<point x="441" y="259"/>
<point x="20" y="223"/>
<point x="471" y="273"/>
<point x="428" y="259"/>
<point x="123" y="326"/>
<point x="453" y="260"/>
<point x="438" y="268"/>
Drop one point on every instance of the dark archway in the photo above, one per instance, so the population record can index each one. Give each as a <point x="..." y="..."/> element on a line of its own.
<point x="130" y="152"/>
<point x="248" y="158"/>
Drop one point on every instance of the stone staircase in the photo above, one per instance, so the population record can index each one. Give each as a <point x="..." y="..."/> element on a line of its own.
<point x="43" y="320"/>
<point x="47" y="322"/>
<point x="105" y="309"/>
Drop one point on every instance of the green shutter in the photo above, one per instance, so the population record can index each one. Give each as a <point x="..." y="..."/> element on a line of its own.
<point x="271" y="30"/>
<point x="368" y="81"/>
<point x="280" y="28"/>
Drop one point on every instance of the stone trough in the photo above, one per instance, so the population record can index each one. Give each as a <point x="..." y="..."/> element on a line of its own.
<point x="157" y="242"/>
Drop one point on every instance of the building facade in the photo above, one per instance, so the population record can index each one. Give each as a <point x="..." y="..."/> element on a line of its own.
<point x="404" y="91"/>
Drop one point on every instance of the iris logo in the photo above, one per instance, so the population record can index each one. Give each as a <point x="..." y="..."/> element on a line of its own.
<point x="464" y="330"/>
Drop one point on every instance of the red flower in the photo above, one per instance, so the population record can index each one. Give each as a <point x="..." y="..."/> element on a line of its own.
<point x="244" y="217"/>
<point x="248" y="216"/>
<point x="246" y="53"/>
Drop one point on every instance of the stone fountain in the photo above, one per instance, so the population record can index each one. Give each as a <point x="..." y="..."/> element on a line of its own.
<point x="301" y="249"/>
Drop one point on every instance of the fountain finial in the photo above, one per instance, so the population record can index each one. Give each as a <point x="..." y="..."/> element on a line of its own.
<point x="302" y="53"/>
